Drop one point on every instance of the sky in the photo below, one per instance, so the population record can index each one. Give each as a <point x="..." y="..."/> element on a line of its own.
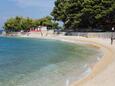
<point x="26" y="8"/>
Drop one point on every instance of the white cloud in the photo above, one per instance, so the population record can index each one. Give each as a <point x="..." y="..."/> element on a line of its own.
<point x="33" y="3"/>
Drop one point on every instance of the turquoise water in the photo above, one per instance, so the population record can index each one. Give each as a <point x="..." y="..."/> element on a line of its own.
<point x="40" y="62"/>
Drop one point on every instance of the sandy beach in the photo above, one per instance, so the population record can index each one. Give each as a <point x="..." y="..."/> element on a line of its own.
<point x="57" y="43"/>
<point x="103" y="72"/>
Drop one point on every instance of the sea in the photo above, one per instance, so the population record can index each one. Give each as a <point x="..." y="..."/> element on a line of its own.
<point x="44" y="62"/>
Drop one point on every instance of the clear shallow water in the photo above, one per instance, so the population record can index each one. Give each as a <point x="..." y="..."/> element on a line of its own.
<point x="40" y="62"/>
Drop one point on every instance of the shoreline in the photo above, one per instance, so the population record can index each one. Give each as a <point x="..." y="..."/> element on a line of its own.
<point x="100" y="66"/>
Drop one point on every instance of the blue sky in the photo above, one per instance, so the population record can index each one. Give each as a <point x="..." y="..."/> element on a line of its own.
<point x="26" y="8"/>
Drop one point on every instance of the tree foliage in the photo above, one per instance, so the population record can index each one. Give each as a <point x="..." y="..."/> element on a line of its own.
<point x="15" y="24"/>
<point x="85" y="13"/>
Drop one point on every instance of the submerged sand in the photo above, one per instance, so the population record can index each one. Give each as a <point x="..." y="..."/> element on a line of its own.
<point x="103" y="72"/>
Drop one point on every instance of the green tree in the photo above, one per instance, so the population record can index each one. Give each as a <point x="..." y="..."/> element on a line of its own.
<point x="84" y="13"/>
<point x="26" y="24"/>
<point x="17" y="23"/>
<point x="13" y="24"/>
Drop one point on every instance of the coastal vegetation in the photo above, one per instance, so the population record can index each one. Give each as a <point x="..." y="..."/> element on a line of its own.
<point x="85" y="14"/>
<point x="15" y="24"/>
<point x="76" y="15"/>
